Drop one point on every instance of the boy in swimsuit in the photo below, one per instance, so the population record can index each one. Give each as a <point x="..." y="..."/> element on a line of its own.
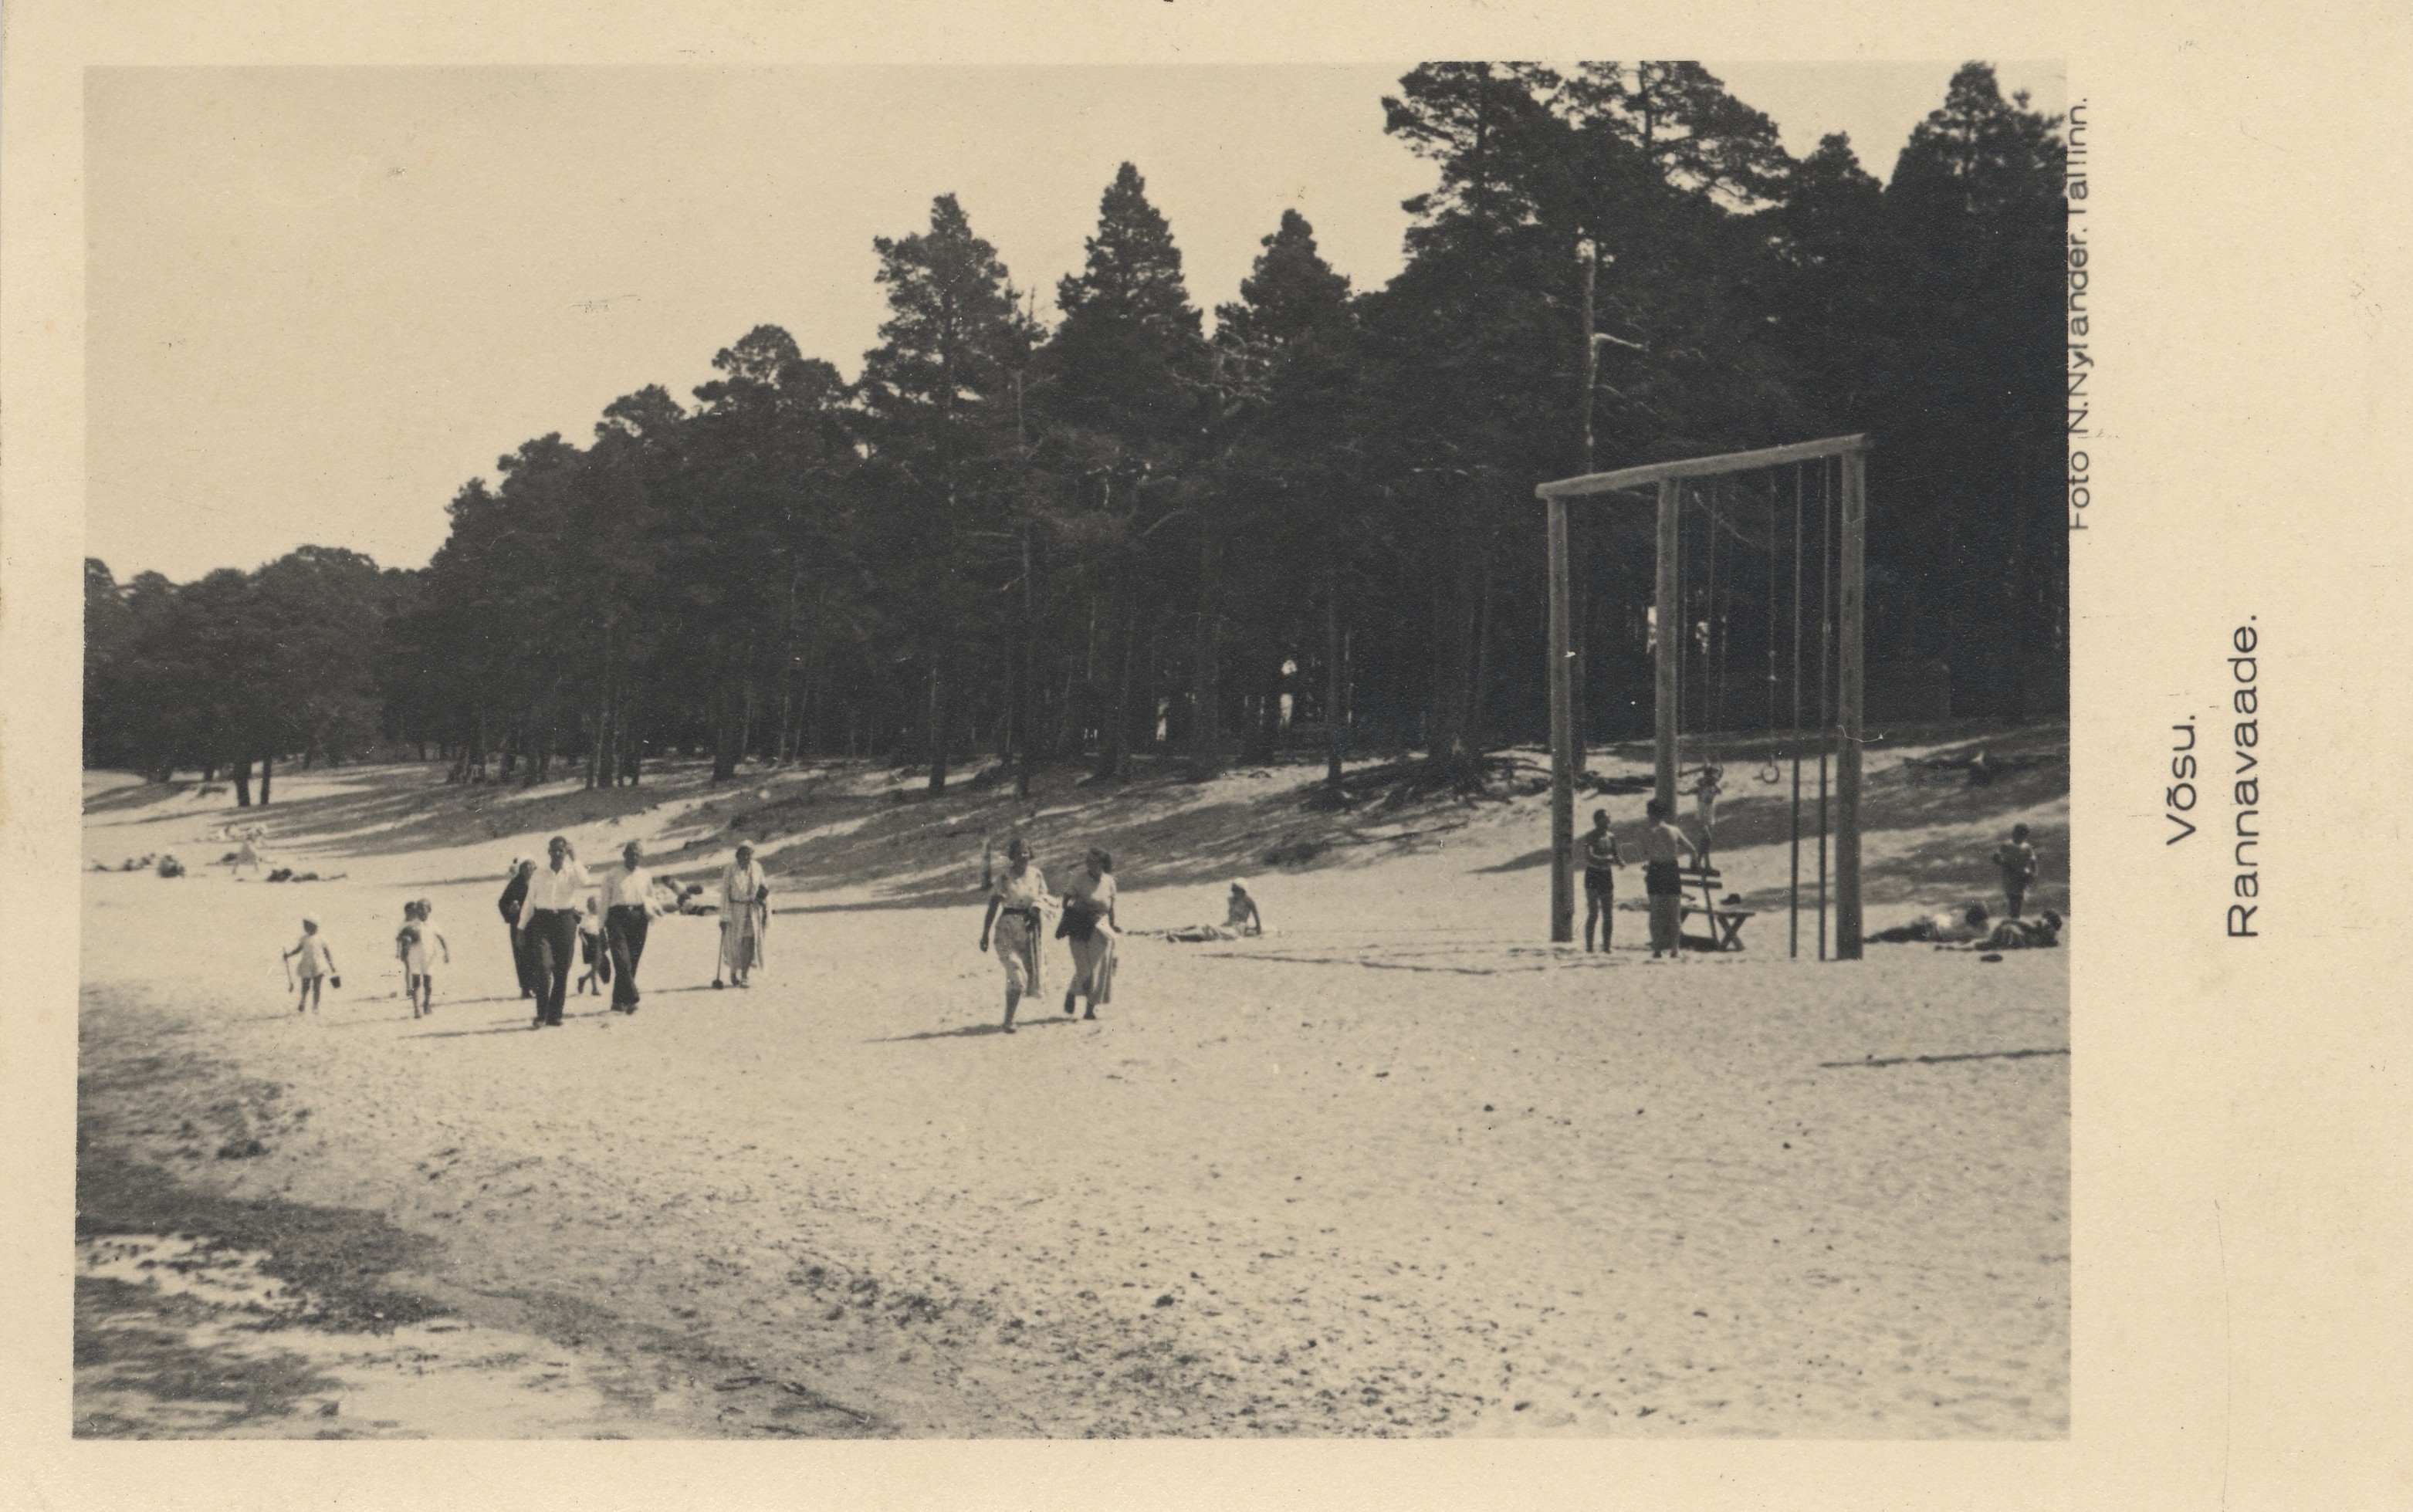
<point x="1600" y="861"/>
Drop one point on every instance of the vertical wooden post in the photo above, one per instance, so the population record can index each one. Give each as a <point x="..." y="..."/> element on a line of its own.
<point x="1562" y="748"/>
<point x="1671" y="633"/>
<point x="1580" y="643"/>
<point x="1847" y="708"/>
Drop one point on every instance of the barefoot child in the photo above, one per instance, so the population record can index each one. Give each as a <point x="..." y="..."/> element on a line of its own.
<point x="590" y="949"/>
<point x="317" y="961"/>
<point x="416" y="946"/>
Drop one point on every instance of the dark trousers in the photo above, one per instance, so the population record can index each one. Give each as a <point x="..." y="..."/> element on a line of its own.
<point x="552" y="942"/>
<point x="624" y="933"/>
<point x="523" y="963"/>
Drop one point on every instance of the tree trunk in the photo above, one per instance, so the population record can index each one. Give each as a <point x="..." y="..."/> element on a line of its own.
<point x="938" y="731"/>
<point x="242" y="784"/>
<point x="1479" y="680"/>
<point x="724" y="728"/>
<point x="1266" y="732"/>
<point x="1115" y="758"/>
<point x="1334" y="681"/>
<point x="1206" y="713"/>
<point x="267" y="769"/>
<point x="1026" y="733"/>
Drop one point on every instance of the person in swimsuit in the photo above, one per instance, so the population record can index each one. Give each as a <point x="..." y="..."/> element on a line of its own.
<point x="1600" y="864"/>
<point x="1663" y="881"/>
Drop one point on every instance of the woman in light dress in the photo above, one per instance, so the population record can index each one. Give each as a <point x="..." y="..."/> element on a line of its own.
<point x="1089" y="926"/>
<point x="1018" y="911"/>
<point x="744" y="914"/>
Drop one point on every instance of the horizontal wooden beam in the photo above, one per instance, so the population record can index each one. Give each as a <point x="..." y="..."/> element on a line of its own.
<point x="1774" y="456"/>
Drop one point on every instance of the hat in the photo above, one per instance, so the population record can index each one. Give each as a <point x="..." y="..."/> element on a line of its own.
<point x="308" y="919"/>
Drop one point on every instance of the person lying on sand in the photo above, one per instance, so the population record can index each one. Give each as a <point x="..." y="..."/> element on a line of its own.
<point x="1941" y="928"/>
<point x="2043" y="932"/>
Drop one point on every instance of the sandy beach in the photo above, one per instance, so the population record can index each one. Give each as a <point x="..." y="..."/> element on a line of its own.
<point x="1397" y="1168"/>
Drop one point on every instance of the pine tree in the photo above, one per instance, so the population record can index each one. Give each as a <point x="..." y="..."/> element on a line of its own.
<point x="942" y="394"/>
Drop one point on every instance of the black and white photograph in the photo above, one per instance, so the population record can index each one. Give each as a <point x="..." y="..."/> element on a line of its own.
<point x="1120" y="753"/>
<point x="1184" y="753"/>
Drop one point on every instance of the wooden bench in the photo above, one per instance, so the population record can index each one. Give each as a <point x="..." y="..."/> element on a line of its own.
<point x="1726" y="922"/>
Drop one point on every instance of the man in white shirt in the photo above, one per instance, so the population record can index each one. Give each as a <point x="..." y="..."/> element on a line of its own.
<point x="629" y="911"/>
<point x="556" y="896"/>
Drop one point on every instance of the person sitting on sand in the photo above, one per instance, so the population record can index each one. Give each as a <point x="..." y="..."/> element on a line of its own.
<point x="1017" y="905"/>
<point x="1661" y="881"/>
<point x="317" y="961"/>
<point x="1088" y="927"/>
<point x="1241" y="920"/>
<point x="1240" y="913"/>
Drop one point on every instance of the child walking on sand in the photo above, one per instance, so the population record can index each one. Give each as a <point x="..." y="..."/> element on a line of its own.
<point x="2017" y="860"/>
<point x="317" y="961"/>
<point x="415" y="944"/>
<point x="590" y="950"/>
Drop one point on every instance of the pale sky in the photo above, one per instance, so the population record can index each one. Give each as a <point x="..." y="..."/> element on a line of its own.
<point x="320" y="299"/>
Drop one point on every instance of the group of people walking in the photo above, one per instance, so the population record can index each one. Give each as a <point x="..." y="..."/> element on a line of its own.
<point x="561" y="917"/>
<point x="1019" y="906"/>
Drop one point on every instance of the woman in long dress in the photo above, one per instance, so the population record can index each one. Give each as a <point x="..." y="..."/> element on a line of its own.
<point x="744" y="914"/>
<point x="512" y="904"/>
<point x="1089" y="926"/>
<point x="1017" y="906"/>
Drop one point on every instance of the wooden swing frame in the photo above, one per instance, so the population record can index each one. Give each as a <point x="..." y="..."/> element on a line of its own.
<point x="1666" y="476"/>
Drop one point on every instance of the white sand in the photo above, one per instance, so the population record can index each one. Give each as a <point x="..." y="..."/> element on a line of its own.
<point x="1396" y="1169"/>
